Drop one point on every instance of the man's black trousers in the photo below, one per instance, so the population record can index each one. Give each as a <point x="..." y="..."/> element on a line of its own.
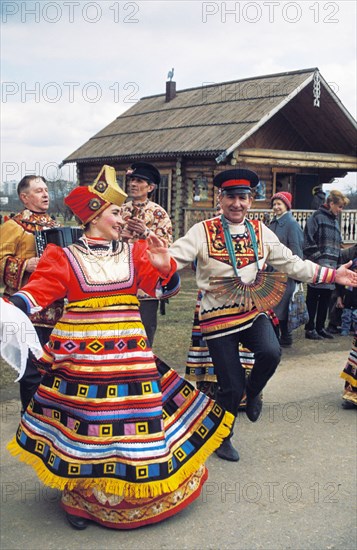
<point x="261" y="339"/>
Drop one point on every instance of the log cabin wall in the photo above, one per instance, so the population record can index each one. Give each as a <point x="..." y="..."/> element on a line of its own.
<point x="184" y="173"/>
<point x="199" y="170"/>
<point x="87" y="173"/>
<point x="177" y="193"/>
<point x="198" y="191"/>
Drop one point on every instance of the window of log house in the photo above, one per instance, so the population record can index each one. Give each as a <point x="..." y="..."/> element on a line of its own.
<point x="200" y="190"/>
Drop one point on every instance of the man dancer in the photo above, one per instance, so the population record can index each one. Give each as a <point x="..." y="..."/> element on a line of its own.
<point x="233" y="251"/>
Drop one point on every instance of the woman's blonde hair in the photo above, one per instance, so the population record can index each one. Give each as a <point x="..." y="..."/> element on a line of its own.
<point x="337" y="198"/>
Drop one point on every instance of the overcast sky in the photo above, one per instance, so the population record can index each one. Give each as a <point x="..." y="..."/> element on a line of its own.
<point x="71" y="67"/>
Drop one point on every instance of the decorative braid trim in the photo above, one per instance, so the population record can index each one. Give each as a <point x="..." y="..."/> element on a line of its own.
<point x="124" y="488"/>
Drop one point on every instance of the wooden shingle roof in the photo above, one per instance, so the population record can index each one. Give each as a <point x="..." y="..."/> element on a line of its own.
<point x="208" y="120"/>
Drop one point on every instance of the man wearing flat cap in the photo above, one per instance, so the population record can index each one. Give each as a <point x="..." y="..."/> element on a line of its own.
<point x="230" y="252"/>
<point x="142" y="217"/>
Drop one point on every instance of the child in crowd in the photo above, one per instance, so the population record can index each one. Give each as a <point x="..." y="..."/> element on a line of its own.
<point x="347" y="300"/>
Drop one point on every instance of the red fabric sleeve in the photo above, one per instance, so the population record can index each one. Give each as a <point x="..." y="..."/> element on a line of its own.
<point x="147" y="275"/>
<point x="51" y="279"/>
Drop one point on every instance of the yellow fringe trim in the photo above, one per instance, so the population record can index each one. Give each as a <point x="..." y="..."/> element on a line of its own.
<point x="349" y="379"/>
<point x="124" y="488"/>
<point x="126" y="299"/>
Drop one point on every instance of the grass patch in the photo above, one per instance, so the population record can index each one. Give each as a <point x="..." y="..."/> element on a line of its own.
<point x="173" y="333"/>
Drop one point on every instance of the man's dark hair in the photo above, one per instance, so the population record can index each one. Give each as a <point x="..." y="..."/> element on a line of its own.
<point x="24" y="184"/>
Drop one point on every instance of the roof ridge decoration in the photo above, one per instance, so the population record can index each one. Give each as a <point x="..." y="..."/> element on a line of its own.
<point x="316" y="89"/>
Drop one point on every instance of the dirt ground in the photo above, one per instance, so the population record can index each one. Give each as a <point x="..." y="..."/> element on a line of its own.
<point x="294" y="487"/>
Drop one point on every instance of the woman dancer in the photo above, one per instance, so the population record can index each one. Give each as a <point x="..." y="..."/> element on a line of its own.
<point x="124" y="437"/>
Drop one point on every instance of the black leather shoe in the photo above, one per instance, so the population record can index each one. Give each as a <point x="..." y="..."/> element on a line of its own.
<point x="285" y="342"/>
<point x="254" y="407"/>
<point x="312" y="335"/>
<point x="77" y="522"/>
<point x="348" y="404"/>
<point x="286" y="337"/>
<point x="325" y="334"/>
<point x="227" y="452"/>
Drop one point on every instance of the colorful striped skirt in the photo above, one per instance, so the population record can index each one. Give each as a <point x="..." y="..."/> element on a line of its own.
<point x="199" y="366"/>
<point x="122" y="434"/>
<point x="349" y="374"/>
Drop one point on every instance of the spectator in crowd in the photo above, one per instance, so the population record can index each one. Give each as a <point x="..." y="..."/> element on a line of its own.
<point x="322" y="244"/>
<point x="143" y="217"/>
<point x="319" y="197"/>
<point x="289" y="232"/>
<point x="334" y="313"/>
<point x="347" y="301"/>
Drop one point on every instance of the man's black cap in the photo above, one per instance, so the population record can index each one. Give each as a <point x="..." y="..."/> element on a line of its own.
<point x="144" y="171"/>
<point x="237" y="180"/>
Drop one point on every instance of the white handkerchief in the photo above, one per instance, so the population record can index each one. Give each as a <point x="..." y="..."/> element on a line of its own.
<point x="17" y="337"/>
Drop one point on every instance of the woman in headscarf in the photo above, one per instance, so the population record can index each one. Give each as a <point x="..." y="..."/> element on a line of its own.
<point x="289" y="233"/>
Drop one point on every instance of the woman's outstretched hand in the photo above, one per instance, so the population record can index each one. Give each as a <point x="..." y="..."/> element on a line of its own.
<point x="158" y="254"/>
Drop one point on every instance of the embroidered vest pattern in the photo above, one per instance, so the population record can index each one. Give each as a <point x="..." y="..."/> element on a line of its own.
<point x="242" y="243"/>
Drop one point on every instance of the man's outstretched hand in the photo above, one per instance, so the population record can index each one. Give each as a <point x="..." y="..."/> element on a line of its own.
<point x="345" y="276"/>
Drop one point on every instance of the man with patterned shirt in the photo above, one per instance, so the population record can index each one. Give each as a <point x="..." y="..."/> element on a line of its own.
<point x="18" y="260"/>
<point x="231" y="253"/>
<point x="142" y="217"/>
